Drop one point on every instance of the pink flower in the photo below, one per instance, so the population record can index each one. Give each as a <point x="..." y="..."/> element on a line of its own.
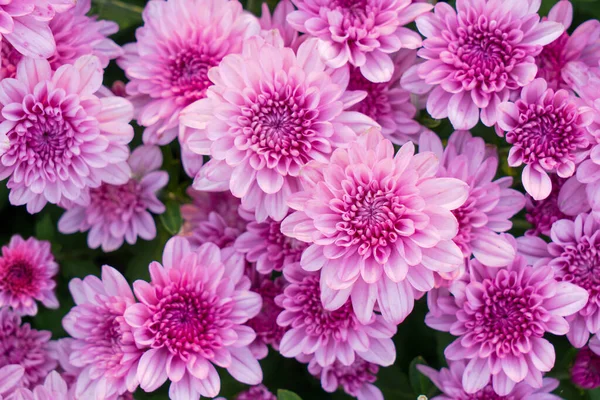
<point x="388" y="103"/>
<point x="362" y="33"/>
<point x="27" y="347"/>
<point x="59" y="138"/>
<point x="118" y="213"/>
<point x="541" y="214"/>
<point x="24" y="24"/>
<point x="278" y="21"/>
<point x="27" y="270"/>
<point x="329" y="335"/>
<point x="104" y="347"/>
<point x="547" y="130"/>
<point x="449" y="381"/>
<point x="192" y="315"/>
<point x="213" y="218"/>
<point x="259" y="392"/>
<point x="262" y="126"/>
<point x="477" y="56"/>
<point x="500" y="316"/>
<point x="263" y="243"/>
<point x="356" y="379"/>
<point x="379" y="226"/>
<point x="574" y="254"/>
<point x="168" y="65"/>
<point x="491" y="203"/>
<point x="10" y="376"/>
<point x="585" y="372"/>
<point x="583" y="45"/>
<point x="53" y="388"/>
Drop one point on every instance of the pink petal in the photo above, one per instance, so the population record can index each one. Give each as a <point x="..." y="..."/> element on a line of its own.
<point x="537" y="183"/>
<point x="568" y="299"/>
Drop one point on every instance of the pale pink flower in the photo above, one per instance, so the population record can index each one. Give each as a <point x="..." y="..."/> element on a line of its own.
<point x="356" y="379"/>
<point x="27" y="347"/>
<point x="264" y="244"/>
<point x="388" y="103"/>
<point x="259" y="392"/>
<point x="27" y="270"/>
<point x="582" y="45"/>
<point x="449" y="381"/>
<point x="574" y="254"/>
<point x="379" y="226"/>
<point x="213" y="218"/>
<point x="548" y="133"/>
<point x="500" y="316"/>
<point x="278" y="21"/>
<point x="192" y="315"/>
<point x="168" y="65"/>
<point x="104" y="348"/>
<point x="329" y="335"/>
<point x="53" y="388"/>
<point x="119" y="213"/>
<point x="24" y="24"/>
<point x="362" y="33"/>
<point x="10" y="376"/>
<point x="490" y="204"/>
<point x="585" y="371"/>
<point x="58" y="138"/>
<point x="269" y="112"/>
<point x="477" y="56"/>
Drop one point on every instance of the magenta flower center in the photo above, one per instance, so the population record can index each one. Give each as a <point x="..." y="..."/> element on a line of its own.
<point x="580" y="264"/>
<point x="106" y="340"/>
<point x="117" y="202"/>
<point x="353" y="377"/>
<point x="189" y="320"/>
<point x="188" y="73"/>
<point x="16" y="276"/>
<point x="355" y="13"/>
<point x="377" y="102"/>
<point x="9" y="58"/>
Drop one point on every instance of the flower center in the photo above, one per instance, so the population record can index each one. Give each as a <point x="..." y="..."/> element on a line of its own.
<point x="353" y="377"/>
<point x="377" y="102"/>
<point x="586" y="369"/>
<point x="580" y="264"/>
<point x="188" y="73"/>
<point x="355" y="13"/>
<point x="107" y="339"/>
<point x="16" y="276"/>
<point x="116" y="202"/>
<point x="9" y="58"/>
<point x="188" y="320"/>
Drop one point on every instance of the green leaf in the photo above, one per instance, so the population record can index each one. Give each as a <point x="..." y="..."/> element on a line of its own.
<point x="171" y="218"/>
<point x="594" y="394"/>
<point x="287" y="395"/>
<point x="44" y="228"/>
<point x="124" y="12"/>
<point x="418" y="381"/>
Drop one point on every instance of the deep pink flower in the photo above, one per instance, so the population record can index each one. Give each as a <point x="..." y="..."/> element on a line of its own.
<point x="104" y="347"/>
<point x="278" y="21"/>
<point x="10" y="376"/>
<point x="213" y="218"/>
<point x="118" y="213"/>
<point x="330" y="335"/>
<point x="270" y="112"/>
<point x="168" y="65"/>
<point x="547" y="130"/>
<point x="477" y="56"/>
<point x="24" y="24"/>
<point x="388" y="103"/>
<point x="491" y="203"/>
<point x="585" y="371"/>
<point x="27" y="270"/>
<point x="583" y="45"/>
<point x="500" y="316"/>
<point x="541" y="214"/>
<point x="53" y="388"/>
<point x="192" y="315"/>
<point x="27" y="347"/>
<point x="378" y="225"/>
<point x="356" y="379"/>
<point x="574" y="254"/>
<point x="259" y="392"/>
<point x="58" y="138"/>
<point x="449" y="381"/>
<point x="268" y="332"/>
<point x="362" y="33"/>
<point x="263" y="243"/>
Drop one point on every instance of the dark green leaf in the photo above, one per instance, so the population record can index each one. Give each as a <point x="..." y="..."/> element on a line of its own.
<point x="171" y="218"/>
<point x="45" y="228"/>
<point x="287" y="395"/>
<point x="126" y="13"/>
<point x="418" y="381"/>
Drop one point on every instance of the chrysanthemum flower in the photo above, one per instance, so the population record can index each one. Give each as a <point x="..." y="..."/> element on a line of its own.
<point x="192" y="315"/>
<point x="541" y="214"/>
<point x="585" y="371"/>
<point x="53" y="388"/>
<point x="279" y="21"/>
<point x="270" y="112"/>
<point x="24" y="24"/>
<point x="356" y="379"/>
<point x="104" y="347"/>
<point x="27" y="270"/>
<point x="27" y="347"/>
<point x="58" y="138"/>
<point x="118" y="213"/>
<point x="10" y="376"/>
<point x="500" y="316"/>
<point x="263" y="243"/>
<point x="259" y="392"/>
<point x="378" y="225"/>
<point x="548" y="133"/>
<point x="168" y="65"/>
<point x="478" y="55"/>
<point x="491" y="203"/>
<point x="213" y="218"/>
<point x="449" y="381"/>
<point x="574" y="254"/>
<point x="388" y="103"/>
<point x="582" y="45"/>
<point x="362" y="33"/>
<point x="330" y="335"/>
